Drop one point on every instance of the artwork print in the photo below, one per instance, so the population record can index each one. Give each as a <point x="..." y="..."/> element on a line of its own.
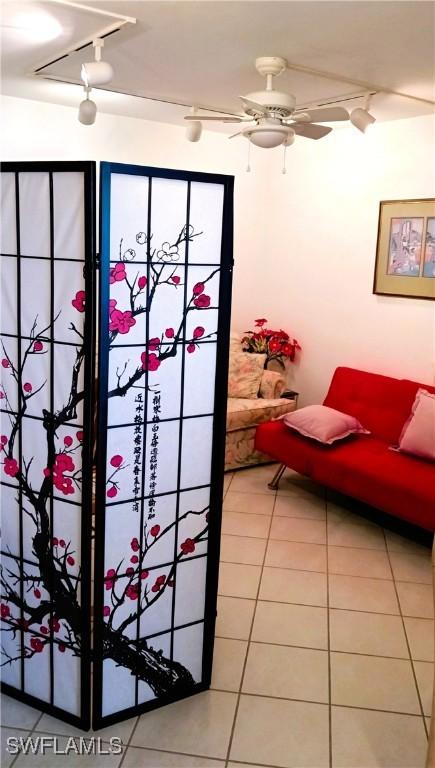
<point x="405" y="246"/>
<point x="162" y="300"/>
<point x="429" y="252"/>
<point x="405" y="252"/>
<point x="45" y="466"/>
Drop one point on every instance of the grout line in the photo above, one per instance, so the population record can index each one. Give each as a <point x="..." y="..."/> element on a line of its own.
<point x="128" y="741"/>
<point x="30" y="732"/>
<point x="230" y="743"/>
<point x="328" y="623"/>
<point x="409" y="650"/>
<point x="333" y="607"/>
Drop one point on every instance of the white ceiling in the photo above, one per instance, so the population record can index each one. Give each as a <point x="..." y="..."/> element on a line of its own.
<point x="202" y="52"/>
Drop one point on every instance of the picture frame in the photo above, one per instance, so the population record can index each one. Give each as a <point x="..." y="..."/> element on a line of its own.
<point x="405" y="251"/>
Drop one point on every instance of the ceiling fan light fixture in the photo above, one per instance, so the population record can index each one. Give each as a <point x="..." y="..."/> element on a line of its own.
<point x="97" y="72"/>
<point x="362" y="119"/>
<point x="269" y="136"/>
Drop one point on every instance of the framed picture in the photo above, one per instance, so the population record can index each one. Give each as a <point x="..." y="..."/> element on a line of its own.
<point x="405" y="254"/>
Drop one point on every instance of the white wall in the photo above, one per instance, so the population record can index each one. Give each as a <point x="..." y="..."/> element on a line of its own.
<point x="305" y="242"/>
<point x="35" y="130"/>
<point x="317" y="276"/>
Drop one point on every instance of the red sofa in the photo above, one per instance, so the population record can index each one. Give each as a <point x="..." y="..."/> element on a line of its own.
<point x="363" y="466"/>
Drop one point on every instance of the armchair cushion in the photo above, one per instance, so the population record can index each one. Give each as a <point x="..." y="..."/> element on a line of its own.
<point x="243" y="413"/>
<point x="245" y="374"/>
<point x="272" y="385"/>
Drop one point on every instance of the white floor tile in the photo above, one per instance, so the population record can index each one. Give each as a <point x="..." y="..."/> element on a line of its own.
<point x="242" y="524"/>
<point x="369" y="633"/>
<point x="351" y="561"/>
<point x="242" y="549"/>
<point x="250" y="503"/>
<point x="281" y="733"/>
<point x="424" y="674"/>
<point x="358" y="594"/>
<point x="286" y="672"/>
<point x="16" y="714"/>
<point x="415" y="599"/>
<point x="239" y="580"/>
<point x="410" y="567"/>
<point x="420" y="634"/>
<point x="374" y="683"/>
<point x="311" y="508"/>
<point x="228" y="660"/>
<point x="297" y="529"/>
<point x="296" y="555"/>
<point x="364" y="739"/>
<point x="198" y="725"/>
<point x="149" y="758"/>
<point x="234" y="617"/>
<point x="286" y="586"/>
<point x="288" y="624"/>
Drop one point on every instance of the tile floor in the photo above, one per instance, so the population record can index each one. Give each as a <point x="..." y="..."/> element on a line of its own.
<point x="324" y="647"/>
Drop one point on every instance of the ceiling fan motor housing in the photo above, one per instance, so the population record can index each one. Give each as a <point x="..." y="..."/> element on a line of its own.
<point x="282" y="104"/>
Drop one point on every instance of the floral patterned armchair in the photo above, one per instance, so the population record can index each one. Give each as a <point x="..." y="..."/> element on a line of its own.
<point x="260" y="401"/>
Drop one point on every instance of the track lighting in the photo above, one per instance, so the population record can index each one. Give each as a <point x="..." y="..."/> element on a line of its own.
<point x="361" y="117"/>
<point x="194" y="127"/>
<point x="97" y="72"/>
<point x="87" y="109"/>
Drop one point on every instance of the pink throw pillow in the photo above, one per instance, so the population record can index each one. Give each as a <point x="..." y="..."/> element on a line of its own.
<point x="323" y="424"/>
<point x="418" y="433"/>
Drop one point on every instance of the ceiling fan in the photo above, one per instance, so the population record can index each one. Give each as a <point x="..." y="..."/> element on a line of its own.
<point x="272" y="114"/>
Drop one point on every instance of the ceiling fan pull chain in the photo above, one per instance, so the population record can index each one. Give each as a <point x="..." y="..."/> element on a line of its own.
<point x="284" y="169"/>
<point x="248" y="167"/>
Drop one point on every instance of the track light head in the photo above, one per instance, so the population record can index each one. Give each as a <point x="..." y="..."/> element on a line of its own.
<point x="361" y="119"/>
<point x="194" y="130"/>
<point x="97" y="72"/>
<point x="87" y="110"/>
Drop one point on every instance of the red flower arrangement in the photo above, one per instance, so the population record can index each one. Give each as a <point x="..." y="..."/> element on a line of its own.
<point x="277" y="345"/>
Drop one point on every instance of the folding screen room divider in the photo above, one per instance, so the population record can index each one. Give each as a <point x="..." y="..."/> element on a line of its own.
<point x="132" y="616"/>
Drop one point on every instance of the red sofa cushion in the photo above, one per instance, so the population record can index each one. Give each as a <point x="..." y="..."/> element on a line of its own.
<point x="382" y="404"/>
<point x="363" y="467"/>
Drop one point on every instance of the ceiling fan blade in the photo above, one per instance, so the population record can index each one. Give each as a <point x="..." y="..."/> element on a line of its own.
<point x="223" y="119"/>
<point x="311" y="130"/>
<point x="233" y="135"/>
<point x="324" y="115"/>
<point x="253" y="105"/>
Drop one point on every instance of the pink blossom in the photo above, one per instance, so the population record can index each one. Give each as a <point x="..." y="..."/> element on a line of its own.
<point x="37" y="593"/>
<point x="79" y="436"/>
<point x="175" y="279"/>
<point x="112" y="492"/>
<point x="36" y="644"/>
<point x="132" y="591"/>
<point x="202" y="301"/>
<point x="61" y="647"/>
<point x="155" y="530"/>
<point x="68" y="441"/>
<point x="134" y="544"/>
<point x="38" y="346"/>
<point x="112" y="305"/>
<point x="4" y="610"/>
<point x="187" y="546"/>
<point x="198" y="288"/>
<point x="121" y="321"/>
<point x="70" y="560"/>
<point x="27" y="386"/>
<point x="150" y="362"/>
<point x="79" y="301"/>
<point x="134" y="559"/>
<point x="3" y="440"/>
<point x="117" y="273"/>
<point x="11" y="467"/>
<point x="44" y="630"/>
<point x="144" y="574"/>
<point x="62" y="543"/>
<point x="116" y="460"/>
<point x="129" y="570"/>
<point x="109" y="579"/>
<point x="142" y="282"/>
<point x="154" y="343"/>
<point x="198" y="332"/>
<point x="54" y="624"/>
<point x="159" y="583"/>
<point x="2" y="395"/>
<point x="169" y="333"/>
<point x="54" y="541"/>
<point x="5" y="363"/>
<point x="106" y="610"/>
<point x="191" y="348"/>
